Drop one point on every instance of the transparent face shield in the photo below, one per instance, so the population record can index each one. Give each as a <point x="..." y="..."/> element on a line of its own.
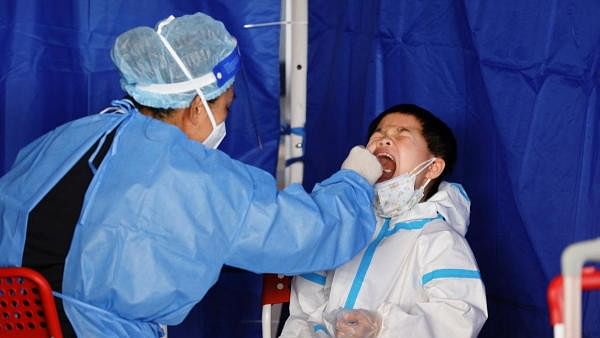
<point x="220" y="74"/>
<point x="244" y="105"/>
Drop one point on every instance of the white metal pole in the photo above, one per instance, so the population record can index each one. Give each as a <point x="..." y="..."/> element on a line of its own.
<point x="572" y="260"/>
<point x="296" y="54"/>
<point x="293" y="107"/>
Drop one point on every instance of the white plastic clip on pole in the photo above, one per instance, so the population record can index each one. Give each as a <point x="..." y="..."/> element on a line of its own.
<point x="275" y="23"/>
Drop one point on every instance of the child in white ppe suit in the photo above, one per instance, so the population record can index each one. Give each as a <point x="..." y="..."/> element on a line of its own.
<point x="418" y="276"/>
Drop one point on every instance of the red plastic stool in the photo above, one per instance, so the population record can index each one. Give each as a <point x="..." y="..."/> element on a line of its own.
<point x="276" y="290"/>
<point x="27" y="308"/>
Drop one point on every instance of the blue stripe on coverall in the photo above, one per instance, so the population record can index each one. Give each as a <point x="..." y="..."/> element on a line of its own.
<point x="314" y="277"/>
<point x="370" y="251"/>
<point x="449" y="273"/>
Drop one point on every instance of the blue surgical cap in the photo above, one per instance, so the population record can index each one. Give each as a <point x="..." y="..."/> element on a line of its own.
<point x="152" y="76"/>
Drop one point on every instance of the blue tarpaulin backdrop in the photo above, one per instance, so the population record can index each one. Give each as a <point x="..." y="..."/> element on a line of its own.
<point x="517" y="80"/>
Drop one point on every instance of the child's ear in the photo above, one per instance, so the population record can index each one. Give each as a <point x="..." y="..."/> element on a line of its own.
<point x="435" y="169"/>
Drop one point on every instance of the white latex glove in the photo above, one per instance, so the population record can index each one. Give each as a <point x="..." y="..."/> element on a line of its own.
<point x="363" y="162"/>
<point x="357" y="323"/>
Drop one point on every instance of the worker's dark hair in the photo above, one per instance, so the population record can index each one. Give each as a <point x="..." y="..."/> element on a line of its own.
<point x="439" y="137"/>
<point x="157" y="113"/>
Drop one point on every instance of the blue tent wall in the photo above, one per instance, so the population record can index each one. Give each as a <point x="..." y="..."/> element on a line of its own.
<point x="55" y="66"/>
<point x="516" y="80"/>
<point x="518" y="83"/>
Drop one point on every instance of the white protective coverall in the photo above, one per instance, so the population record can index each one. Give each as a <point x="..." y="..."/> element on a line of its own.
<point x="418" y="273"/>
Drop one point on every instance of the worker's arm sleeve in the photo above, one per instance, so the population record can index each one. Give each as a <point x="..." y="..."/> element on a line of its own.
<point x="307" y="302"/>
<point x="293" y="232"/>
<point x="453" y="304"/>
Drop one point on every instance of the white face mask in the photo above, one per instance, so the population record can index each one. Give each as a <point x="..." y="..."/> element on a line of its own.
<point x="396" y="195"/>
<point x="216" y="136"/>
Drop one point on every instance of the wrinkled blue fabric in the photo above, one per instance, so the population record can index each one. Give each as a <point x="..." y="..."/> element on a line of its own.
<point x="163" y="214"/>
<point x="519" y="84"/>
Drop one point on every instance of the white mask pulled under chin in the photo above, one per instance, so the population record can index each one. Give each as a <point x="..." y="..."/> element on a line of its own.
<point x="216" y="136"/>
<point x="397" y="195"/>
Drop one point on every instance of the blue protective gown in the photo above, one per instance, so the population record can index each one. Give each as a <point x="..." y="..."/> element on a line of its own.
<point x="162" y="215"/>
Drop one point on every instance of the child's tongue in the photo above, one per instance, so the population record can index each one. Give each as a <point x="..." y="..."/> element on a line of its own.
<point x="389" y="168"/>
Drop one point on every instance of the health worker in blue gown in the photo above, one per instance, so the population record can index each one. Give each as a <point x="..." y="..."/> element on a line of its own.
<point x="132" y="212"/>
